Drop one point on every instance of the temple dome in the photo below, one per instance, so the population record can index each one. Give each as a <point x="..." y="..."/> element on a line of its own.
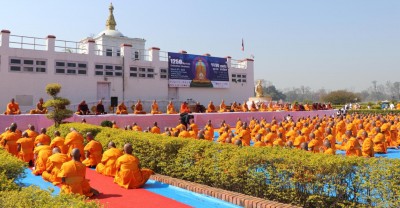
<point x="112" y="33"/>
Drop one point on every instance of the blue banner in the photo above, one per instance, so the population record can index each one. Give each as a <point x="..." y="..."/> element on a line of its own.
<point x="188" y="70"/>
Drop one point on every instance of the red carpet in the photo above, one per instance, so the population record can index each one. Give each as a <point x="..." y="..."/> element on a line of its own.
<point x="112" y="195"/>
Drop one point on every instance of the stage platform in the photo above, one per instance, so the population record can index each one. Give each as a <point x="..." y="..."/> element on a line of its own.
<point x="164" y="120"/>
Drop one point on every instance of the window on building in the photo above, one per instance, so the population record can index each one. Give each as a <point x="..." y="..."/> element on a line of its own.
<point x="150" y="70"/>
<point x="108" y="70"/>
<point x="71" y="68"/>
<point x="141" y="72"/>
<point x="98" y="73"/>
<point x="108" y="52"/>
<point x="27" y="65"/>
<point x="239" y="78"/>
<point x="98" y="66"/>
<point x="133" y="69"/>
<point x="133" y="74"/>
<point x="136" y="55"/>
<point x="118" y="52"/>
<point x="163" y="73"/>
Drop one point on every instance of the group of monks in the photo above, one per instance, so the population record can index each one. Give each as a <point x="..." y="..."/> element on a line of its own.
<point x="357" y="135"/>
<point x="13" y="108"/>
<point x="63" y="161"/>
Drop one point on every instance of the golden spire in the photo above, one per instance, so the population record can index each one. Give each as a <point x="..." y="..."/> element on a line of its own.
<point x="110" y="24"/>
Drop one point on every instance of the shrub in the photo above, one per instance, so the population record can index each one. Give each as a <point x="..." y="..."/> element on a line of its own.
<point x="375" y="111"/>
<point x="106" y="123"/>
<point x="58" y="105"/>
<point x="11" y="166"/>
<point x="289" y="176"/>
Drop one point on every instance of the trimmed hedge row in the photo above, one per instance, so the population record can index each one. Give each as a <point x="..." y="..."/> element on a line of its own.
<point x="12" y="195"/>
<point x="373" y="111"/>
<point x="288" y="176"/>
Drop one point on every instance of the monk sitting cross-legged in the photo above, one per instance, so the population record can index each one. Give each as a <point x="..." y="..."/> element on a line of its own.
<point x="121" y="108"/>
<point x="40" y="109"/>
<point x="53" y="166"/>
<point x="75" y="140"/>
<point x="12" y="108"/>
<point x="58" y="141"/>
<point x="41" y="154"/>
<point x="25" y="149"/>
<point x="211" y="108"/>
<point x="171" y="108"/>
<point x="110" y="156"/>
<point x="43" y="137"/>
<point x="139" y="108"/>
<point x="129" y="175"/>
<point x="154" y="108"/>
<point x="73" y="177"/>
<point x="93" y="151"/>
<point x="222" y="107"/>
<point x="10" y="140"/>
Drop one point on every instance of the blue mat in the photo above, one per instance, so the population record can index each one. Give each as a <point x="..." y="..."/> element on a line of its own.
<point x="391" y="154"/>
<point x="185" y="196"/>
<point x="31" y="179"/>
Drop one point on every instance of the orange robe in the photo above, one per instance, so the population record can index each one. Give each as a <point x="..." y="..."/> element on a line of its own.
<point x="59" y="142"/>
<point x="39" y="109"/>
<point x="154" y="109"/>
<point x="259" y="144"/>
<point x="136" y="128"/>
<point x="352" y="147"/>
<point x="26" y="152"/>
<point x="108" y="162"/>
<point x="121" y="109"/>
<point x="210" y="108"/>
<point x="74" y="173"/>
<point x="330" y="151"/>
<point x="12" y="109"/>
<point x="43" y="152"/>
<point x="75" y="140"/>
<point x="184" y="134"/>
<point x="53" y="166"/>
<point x="32" y="134"/>
<point x="171" y="109"/>
<point x="42" y="138"/>
<point x="298" y="140"/>
<point x="380" y="143"/>
<point x="155" y="130"/>
<point x="368" y="148"/>
<point x="11" y="139"/>
<point x="222" y="108"/>
<point x="129" y="175"/>
<point x="139" y="109"/>
<point x="95" y="153"/>
<point x="184" y="108"/>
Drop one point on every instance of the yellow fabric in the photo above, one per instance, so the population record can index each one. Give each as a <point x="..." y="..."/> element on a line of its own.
<point x="26" y="152"/>
<point x="75" y="140"/>
<point x="53" y="166"/>
<point x="129" y="175"/>
<point x="42" y="153"/>
<point x="108" y="162"/>
<point x="74" y="173"/>
<point x="95" y="153"/>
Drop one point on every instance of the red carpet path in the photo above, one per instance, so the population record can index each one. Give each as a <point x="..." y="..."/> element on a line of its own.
<point x="114" y="196"/>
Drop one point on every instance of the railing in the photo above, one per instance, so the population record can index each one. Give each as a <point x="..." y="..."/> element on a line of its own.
<point x="140" y="54"/>
<point x="163" y="56"/>
<point x="239" y="64"/>
<point x="105" y="50"/>
<point x="25" y="42"/>
<point x="69" y="47"/>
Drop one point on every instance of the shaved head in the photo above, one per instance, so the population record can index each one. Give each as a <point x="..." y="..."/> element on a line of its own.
<point x="111" y="145"/>
<point x="75" y="154"/>
<point x="56" y="150"/>
<point x="128" y="148"/>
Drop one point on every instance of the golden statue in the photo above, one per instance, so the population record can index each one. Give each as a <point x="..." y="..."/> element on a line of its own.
<point x="201" y="72"/>
<point x="259" y="89"/>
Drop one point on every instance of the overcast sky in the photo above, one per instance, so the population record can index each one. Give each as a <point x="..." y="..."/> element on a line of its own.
<point x="337" y="44"/>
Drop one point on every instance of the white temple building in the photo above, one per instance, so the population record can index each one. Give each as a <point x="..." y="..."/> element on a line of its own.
<point x="107" y="65"/>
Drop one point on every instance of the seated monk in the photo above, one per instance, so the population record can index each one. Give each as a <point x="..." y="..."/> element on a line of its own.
<point x="222" y="107"/>
<point x="367" y="148"/>
<point x="121" y="108"/>
<point x="155" y="129"/>
<point x="107" y="166"/>
<point x="100" y="108"/>
<point x="83" y="108"/>
<point x="263" y="107"/>
<point x="129" y="175"/>
<point x="211" y="108"/>
<point x="154" y="108"/>
<point x="41" y="154"/>
<point x="74" y="140"/>
<point x="58" y="141"/>
<point x="253" y="107"/>
<point x="184" y="108"/>
<point x="139" y="108"/>
<point x="398" y="106"/>
<point x="245" y="108"/>
<point x="12" y="108"/>
<point x="10" y="139"/>
<point x="53" y="166"/>
<point x="73" y="177"/>
<point x="171" y="108"/>
<point x="258" y="142"/>
<point x="235" y="107"/>
<point x="25" y="149"/>
<point x="43" y="137"/>
<point x="32" y="133"/>
<point x="353" y="147"/>
<point x="93" y="151"/>
<point x="379" y="142"/>
<point x="328" y="148"/>
<point x="40" y="109"/>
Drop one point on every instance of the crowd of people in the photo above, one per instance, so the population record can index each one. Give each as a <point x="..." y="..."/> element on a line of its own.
<point x="63" y="161"/>
<point x="137" y="108"/>
<point x="357" y="135"/>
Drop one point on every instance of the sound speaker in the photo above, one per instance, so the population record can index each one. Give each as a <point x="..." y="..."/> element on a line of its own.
<point x="114" y="101"/>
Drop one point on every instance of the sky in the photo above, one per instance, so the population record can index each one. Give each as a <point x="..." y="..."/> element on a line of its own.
<point x="329" y="44"/>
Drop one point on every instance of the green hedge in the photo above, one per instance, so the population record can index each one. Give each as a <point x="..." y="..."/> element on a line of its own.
<point x="12" y="195"/>
<point x="288" y="176"/>
<point x="375" y="111"/>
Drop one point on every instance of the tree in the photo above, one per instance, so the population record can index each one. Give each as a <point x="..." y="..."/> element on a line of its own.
<point x="57" y="106"/>
<point x="274" y="93"/>
<point x="341" y="97"/>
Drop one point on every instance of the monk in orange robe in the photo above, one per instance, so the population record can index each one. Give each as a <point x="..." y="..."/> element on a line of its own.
<point x="379" y="142"/>
<point x="209" y="131"/>
<point x="41" y="154"/>
<point x="53" y="166"/>
<point x="258" y="142"/>
<point x="367" y="148"/>
<point x="121" y="108"/>
<point x="25" y="149"/>
<point x="299" y="139"/>
<point x="253" y="107"/>
<point x="40" y="109"/>
<point x="194" y="126"/>
<point x="279" y="141"/>
<point x="154" y="108"/>
<point x="139" y="108"/>
<point x="171" y="108"/>
<point x="93" y="151"/>
<point x="328" y="148"/>
<point x="129" y="174"/>
<point x="107" y="166"/>
<point x="10" y="140"/>
<point x="222" y="107"/>
<point x="211" y="108"/>
<point x="58" y="141"/>
<point x="245" y="108"/>
<point x="155" y="129"/>
<point x="136" y="127"/>
<point x="263" y="107"/>
<point x="184" y="108"/>
<point x="32" y="133"/>
<point x="183" y="133"/>
<point x="353" y="147"/>
<point x="43" y="137"/>
<point x="114" y="125"/>
<point x="12" y="108"/>
<point x="75" y="140"/>
<point x="73" y="177"/>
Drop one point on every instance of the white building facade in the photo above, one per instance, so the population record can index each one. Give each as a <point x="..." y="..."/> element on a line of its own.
<point x="107" y="65"/>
